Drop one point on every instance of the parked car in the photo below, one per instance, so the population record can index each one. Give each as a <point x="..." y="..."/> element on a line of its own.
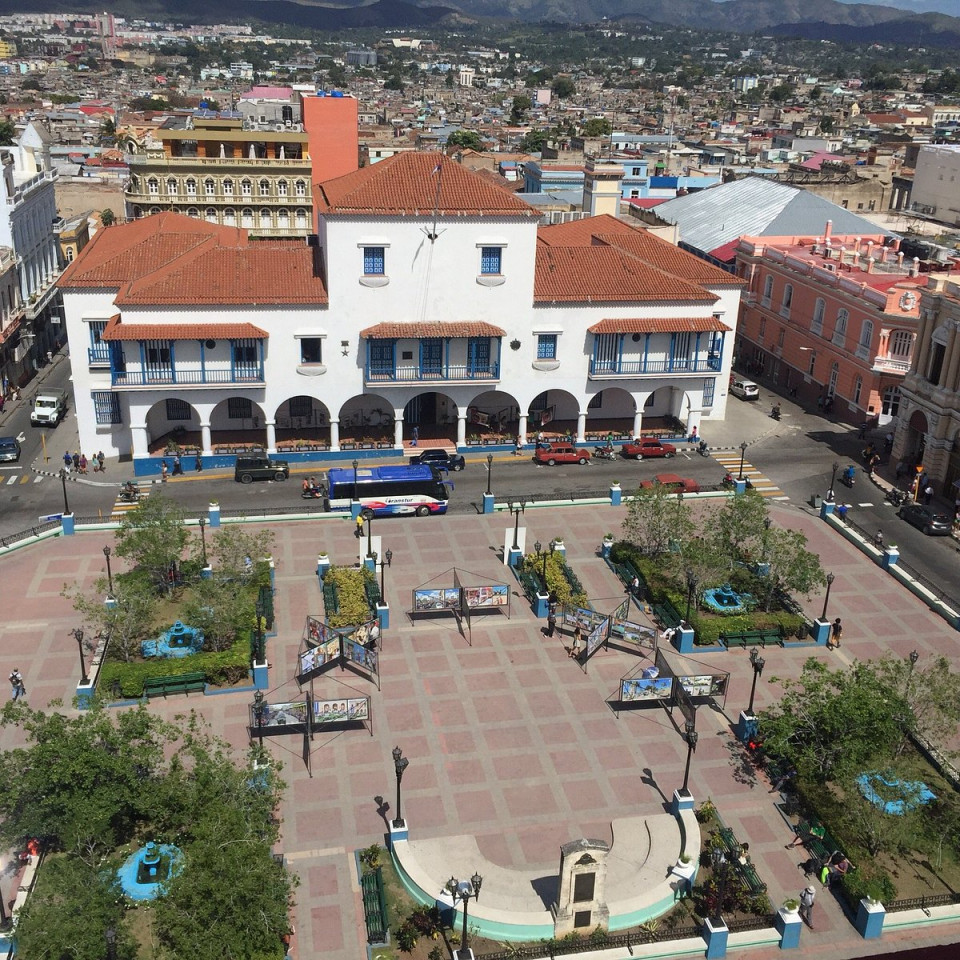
<point x="440" y="459"/>
<point x="923" y="518"/>
<point x="673" y="483"/>
<point x="249" y="469"/>
<point x="647" y="447"/>
<point x="745" y="390"/>
<point x="9" y="450"/>
<point x="555" y="452"/>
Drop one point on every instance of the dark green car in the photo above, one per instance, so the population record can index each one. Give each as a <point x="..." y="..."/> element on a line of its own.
<point x="249" y="469"/>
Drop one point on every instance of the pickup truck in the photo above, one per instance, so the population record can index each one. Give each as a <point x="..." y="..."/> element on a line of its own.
<point x="440" y="459"/>
<point x="647" y="447"/>
<point x="672" y="483"/>
<point x="554" y="453"/>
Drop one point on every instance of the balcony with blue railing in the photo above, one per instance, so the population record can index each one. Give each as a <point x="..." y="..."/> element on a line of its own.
<point x="99" y="355"/>
<point x="202" y="377"/>
<point x="432" y="374"/>
<point x="645" y="367"/>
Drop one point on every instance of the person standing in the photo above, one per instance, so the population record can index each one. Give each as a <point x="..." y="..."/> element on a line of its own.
<point x="836" y="633"/>
<point x="928" y="495"/>
<point x="416" y="436"/>
<point x="807" y="898"/>
<point x="551" y="623"/>
<point x="177" y="464"/>
<point x="518" y="448"/>
<point x="198" y="464"/>
<point x="163" y="471"/>
<point x="577" y="643"/>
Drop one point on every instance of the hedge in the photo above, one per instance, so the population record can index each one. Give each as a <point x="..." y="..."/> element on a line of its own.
<point x="226" y="668"/>
<point x="561" y="580"/>
<point x="348" y="586"/>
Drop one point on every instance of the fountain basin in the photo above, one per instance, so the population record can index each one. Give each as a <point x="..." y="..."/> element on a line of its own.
<point x="145" y="870"/>
<point x="179" y="641"/>
<point x="894" y="796"/>
<point x="725" y="599"/>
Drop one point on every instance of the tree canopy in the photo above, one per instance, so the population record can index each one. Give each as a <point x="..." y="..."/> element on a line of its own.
<point x="466" y="139"/>
<point x="153" y="536"/>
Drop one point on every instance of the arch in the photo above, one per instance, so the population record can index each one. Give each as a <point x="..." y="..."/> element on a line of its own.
<point x="281" y="188"/>
<point x="172" y="420"/>
<point x="171" y="186"/>
<point x="283" y="218"/>
<point x="228" y="187"/>
<point x="246" y="188"/>
<point x="264" y="187"/>
<point x="265" y="218"/>
<point x="210" y="187"/>
<point x="493" y="409"/>
<point x="237" y="421"/>
<point x="246" y="217"/>
<point x="229" y="217"/>
<point x="432" y="413"/>
<point x="366" y="415"/>
<point x="210" y="215"/>
<point x="918" y="421"/>
<point x="555" y="411"/>
<point x="191" y="186"/>
<point x="611" y="410"/>
<point x="819" y="309"/>
<point x="302" y="218"/>
<point x="302" y="421"/>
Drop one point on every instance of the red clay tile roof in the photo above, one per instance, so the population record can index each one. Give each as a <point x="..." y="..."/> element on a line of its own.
<point x="117" y="330"/>
<point x="170" y="258"/>
<point x="406" y="185"/>
<point x="606" y="274"/>
<point x="582" y="233"/>
<point x="660" y="325"/>
<point x="396" y="331"/>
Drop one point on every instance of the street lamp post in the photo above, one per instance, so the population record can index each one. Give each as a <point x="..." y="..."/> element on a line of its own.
<point x="356" y="463"/>
<point x="757" y="662"/>
<point x="516" y="509"/>
<point x="388" y="556"/>
<point x="106" y="553"/>
<point x="766" y="533"/>
<point x="78" y="636"/>
<point x="691" y="736"/>
<point x="833" y="479"/>
<point x="692" y="582"/>
<point x="463" y="890"/>
<point x="259" y="653"/>
<point x="111" y="937"/>
<point x="743" y="454"/>
<point x="400" y="763"/>
<point x="826" y="599"/>
<point x="63" y="480"/>
<point x="258" y="711"/>
<point x="203" y="538"/>
<point x="370" y="535"/>
<point x="489" y="471"/>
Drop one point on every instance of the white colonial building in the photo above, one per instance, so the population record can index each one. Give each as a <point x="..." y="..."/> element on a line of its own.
<point x="434" y="300"/>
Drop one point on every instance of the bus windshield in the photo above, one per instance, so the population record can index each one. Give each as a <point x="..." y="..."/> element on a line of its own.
<point x="389" y="490"/>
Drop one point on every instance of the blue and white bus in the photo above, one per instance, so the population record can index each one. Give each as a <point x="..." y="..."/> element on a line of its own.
<point x="388" y="491"/>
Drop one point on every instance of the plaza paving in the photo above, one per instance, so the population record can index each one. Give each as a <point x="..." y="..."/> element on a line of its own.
<point x="508" y="739"/>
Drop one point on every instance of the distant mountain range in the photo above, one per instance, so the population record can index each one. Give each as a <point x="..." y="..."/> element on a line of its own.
<point x="837" y="20"/>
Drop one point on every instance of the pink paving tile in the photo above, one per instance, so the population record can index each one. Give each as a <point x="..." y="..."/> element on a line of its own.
<point x="319" y="828"/>
<point x="515" y="737"/>
<point x="570" y="762"/>
<point x="460" y="772"/>
<point x="323" y="881"/>
<point x="327" y="923"/>
<point x="457" y="742"/>
<point x="524" y="802"/>
<point x="503" y="708"/>
<point x="519" y="656"/>
<point x="627" y="789"/>
<point x="524" y="766"/>
<point x="545" y="704"/>
<point x="583" y="794"/>
<point x="614" y="758"/>
<point x="557" y="733"/>
<point x="404" y="717"/>
<point x="475" y="807"/>
<point x="369" y="783"/>
<point x="539" y="846"/>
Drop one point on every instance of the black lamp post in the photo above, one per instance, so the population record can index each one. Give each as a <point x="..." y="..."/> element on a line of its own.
<point x="516" y="509"/>
<point x="203" y="538"/>
<point x="258" y="652"/>
<point x="463" y="890"/>
<point x="111" y="937"/>
<point x="743" y="454"/>
<point x="370" y="535"/>
<point x="691" y="736"/>
<point x="106" y="553"/>
<point x="400" y="763"/>
<point x="721" y="872"/>
<point x="766" y="533"/>
<point x="356" y="463"/>
<point x="258" y="712"/>
<point x="63" y="480"/>
<point x="78" y="636"/>
<point x="757" y="662"/>
<point x="489" y="471"/>
<point x="833" y="479"/>
<point x="826" y="599"/>
<point x="388" y="556"/>
<point x="692" y="582"/>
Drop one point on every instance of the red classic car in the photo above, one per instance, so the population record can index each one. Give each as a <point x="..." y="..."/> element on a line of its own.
<point x="554" y="453"/>
<point x="672" y="483"/>
<point x="647" y="447"/>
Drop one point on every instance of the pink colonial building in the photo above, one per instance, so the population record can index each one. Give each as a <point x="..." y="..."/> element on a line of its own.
<point x="829" y="318"/>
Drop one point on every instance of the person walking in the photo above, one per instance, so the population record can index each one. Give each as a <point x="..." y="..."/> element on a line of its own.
<point x="67" y="461"/>
<point x="416" y="436"/>
<point x="807" y="898"/>
<point x="198" y="464"/>
<point x="551" y="623"/>
<point x="577" y="643"/>
<point x="17" y="689"/>
<point x="358" y="530"/>
<point x="518" y="448"/>
<point x="100" y="460"/>
<point x="177" y="464"/>
<point x="76" y="461"/>
<point x="82" y="465"/>
<point x="836" y="634"/>
<point x="928" y="495"/>
<point x="164" y="469"/>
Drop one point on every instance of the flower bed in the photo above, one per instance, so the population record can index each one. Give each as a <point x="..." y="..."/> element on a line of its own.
<point x="346" y="592"/>
<point x="561" y="581"/>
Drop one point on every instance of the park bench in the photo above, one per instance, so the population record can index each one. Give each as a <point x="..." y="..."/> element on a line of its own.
<point x="374" y="905"/>
<point x="181" y="683"/>
<point x="746" y="872"/>
<point x="820" y="848"/>
<point x="666" y="615"/>
<point x="530" y="583"/>
<point x="753" y="638"/>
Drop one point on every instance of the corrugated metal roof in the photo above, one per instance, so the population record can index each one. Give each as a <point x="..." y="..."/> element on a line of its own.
<point x="756" y="207"/>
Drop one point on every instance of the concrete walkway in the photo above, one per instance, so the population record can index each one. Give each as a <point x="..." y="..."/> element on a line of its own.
<point x="509" y="741"/>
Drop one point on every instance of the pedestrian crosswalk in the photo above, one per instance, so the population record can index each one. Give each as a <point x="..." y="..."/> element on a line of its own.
<point x="764" y="486"/>
<point x="120" y="507"/>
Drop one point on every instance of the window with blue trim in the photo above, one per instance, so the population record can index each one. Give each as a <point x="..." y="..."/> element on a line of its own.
<point x="373" y="261"/>
<point x="546" y="346"/>
<point x="106" y="405"/>
<point x="490" y="261"/>
<point x="99" y="351"/>
<point x="708" y="387"/>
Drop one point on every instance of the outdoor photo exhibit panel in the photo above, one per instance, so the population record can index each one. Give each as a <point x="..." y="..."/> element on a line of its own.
<point x="658" y="683"/>
<point x="323" y="647"/>
<point x="304" y="717"/>
<point x="458" y="598"/>
<point x="600" y="628"/>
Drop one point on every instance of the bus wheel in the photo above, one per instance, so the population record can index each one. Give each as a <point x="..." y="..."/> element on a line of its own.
<point x="423" y="511"/>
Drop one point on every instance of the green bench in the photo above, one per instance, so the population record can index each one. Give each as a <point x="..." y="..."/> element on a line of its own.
<point x="746" y="872"/>
<point x="374" y="905"/>
<point x="821" y="848"/>
<point x="666" y="615"/>
<point x="752" y="638"/>
<point x="180" y="683"/>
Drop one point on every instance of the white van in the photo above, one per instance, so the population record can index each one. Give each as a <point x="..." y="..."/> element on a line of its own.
<point x="745" y="390"/>
<point x="49" y="408"/>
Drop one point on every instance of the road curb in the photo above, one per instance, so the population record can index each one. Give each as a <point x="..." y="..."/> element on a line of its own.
<point x="73" y="478"/>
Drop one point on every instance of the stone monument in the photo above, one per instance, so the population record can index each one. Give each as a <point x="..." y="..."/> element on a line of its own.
<point x="582" y="898"/>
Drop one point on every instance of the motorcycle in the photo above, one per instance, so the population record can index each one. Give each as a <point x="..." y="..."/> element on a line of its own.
<point x="729" y="480"/>
<point x="605" y="453"/>
<point x="775" y="412"/>
<point x="848" y="477"/>
<point x="129" y="493"/>
<point x="311" y="494"/>
<point x="896" y="497"/>
<point x="703" y="449"/>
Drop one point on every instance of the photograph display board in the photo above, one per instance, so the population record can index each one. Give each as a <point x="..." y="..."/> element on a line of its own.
<point x="304" y="716"/>
<point x="460" y="600"/>
<point x="492" y="595"/>
<point x="635" y="634"/>
<point x="360" y="655"/>
<point x="597" y="636"/>
<point x="639" y="688"/>
<point x="439" y="599"/>
<point x="707" y="685"/>
<point x="312" y="660"/>
<point x="284" y="717"/>
<point x="324" y="647"/>
<point x="340" y="711"/>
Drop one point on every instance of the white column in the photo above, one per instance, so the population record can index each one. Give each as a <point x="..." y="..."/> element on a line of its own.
<point x="334" y="435"/>
<point x="141" y="442"/>
<point x="398" y="428"/>
<point x="581" y="427"/>
<point x="205" y="439"/>
<point x="523" y="428"/>
<point x="637" y="423"/>
<point x="271" y="426"/>
<point x="461" y="429"/>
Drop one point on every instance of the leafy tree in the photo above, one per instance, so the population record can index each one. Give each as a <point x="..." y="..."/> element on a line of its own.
<point x="521" y="104"/>
<point x="870" y="825"/>
<point x="826" y="124"/>
<point x="781" y="92"/>
<point x="533" y="141"/>
<point x="7" y="132"/>
<point x="152" y="536"/>
<point x="230" y="548"/>
<point x="337" y="75"/>
<point x="597" y="127"/>
<point x="739" y="527"/>
<point x="218" y="608"/>
<point x="563" y="87"/>
<point x="128" y="621"/>
<point x="656" y="517"/>
<point x="465" y="139"/>
<point x="790" y="565"/>
<point x="816" y="93"/>
<point x="31" y="83"/>
<point x="393" y="82"/>
<point x="108" y="130"/>
<point x="107" y="217"/>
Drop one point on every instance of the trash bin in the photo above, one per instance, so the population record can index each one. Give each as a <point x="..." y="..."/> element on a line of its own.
<point x="816" y="501"/>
